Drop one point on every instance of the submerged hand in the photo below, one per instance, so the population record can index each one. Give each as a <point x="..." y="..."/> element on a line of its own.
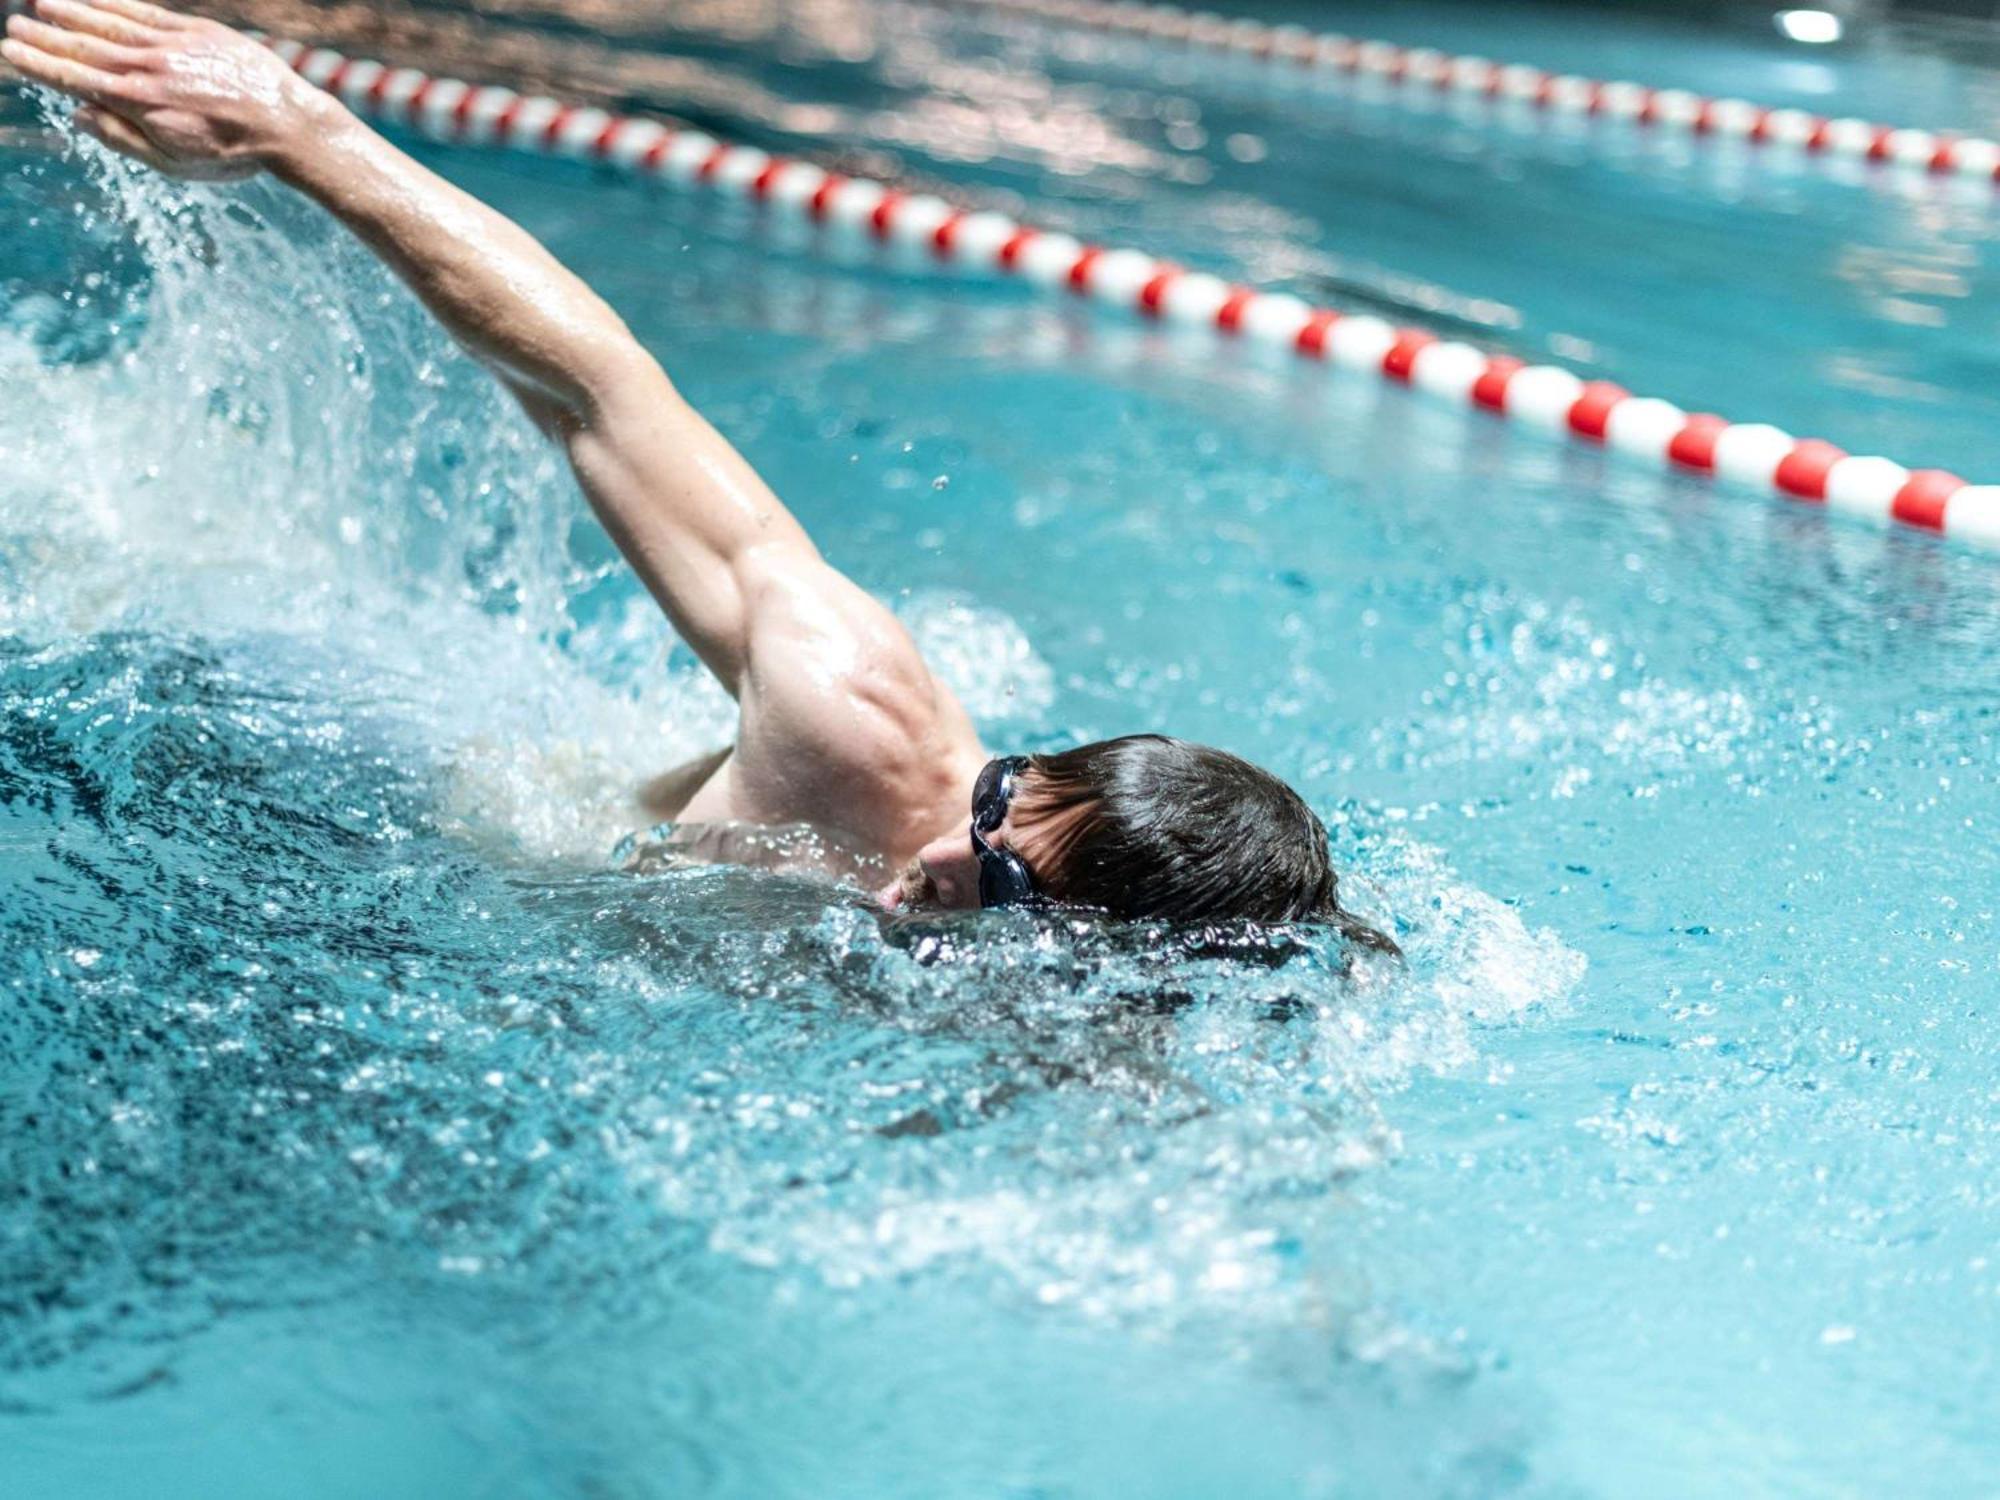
<point x="190" y="97"/>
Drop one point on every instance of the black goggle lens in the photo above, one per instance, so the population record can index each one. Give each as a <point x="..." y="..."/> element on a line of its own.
<point x="991" y="794"/>
<point x="1004" y="880"/>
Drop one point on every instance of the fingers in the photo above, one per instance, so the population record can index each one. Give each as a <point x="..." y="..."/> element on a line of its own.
<point x="138" y="10"/>
<point x="72" y="77"/>
<point x="78" y="46"/>
<point x="93" y="20"/>
<point x="121" y="136"/>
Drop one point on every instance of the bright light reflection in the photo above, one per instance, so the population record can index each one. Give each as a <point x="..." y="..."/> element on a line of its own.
<point x="1809" y="25"/>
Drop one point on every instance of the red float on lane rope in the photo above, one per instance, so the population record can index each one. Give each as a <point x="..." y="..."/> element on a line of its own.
<point x="1229" y="316"/>
<point x="1312" y="338"/>
<point x="1010" y="253"/>
<point x="1593" y="408"/>
<point x="817" y="208"/>
<point x="1151" y="293"/>
<point x="1079" y="274"/>
<point x="1693" y="446"/>
<point x="1400" y="362"/>
<point x="1490" y="389"/>
<point x="1921" y="502"/>
<point x="885" y="213"/>
<point x="1803" y="471"/>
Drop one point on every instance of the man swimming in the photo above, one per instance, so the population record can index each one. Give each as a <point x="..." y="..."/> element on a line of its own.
<point x="842" y="726"/>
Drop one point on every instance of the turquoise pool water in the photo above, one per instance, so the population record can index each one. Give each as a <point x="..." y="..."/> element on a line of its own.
<point x="370" y="1132"/>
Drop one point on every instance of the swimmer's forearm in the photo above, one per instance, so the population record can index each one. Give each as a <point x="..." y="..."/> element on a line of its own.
<point x="685" y="509"/>
<point x="487" y="280"/>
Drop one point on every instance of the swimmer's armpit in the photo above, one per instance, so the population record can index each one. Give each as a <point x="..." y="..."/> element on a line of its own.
<point x="667" y="795"/>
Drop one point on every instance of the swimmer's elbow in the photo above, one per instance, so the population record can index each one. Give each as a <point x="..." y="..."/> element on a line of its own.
<point x="613" y="374"/>
<point x="586" y="384"/>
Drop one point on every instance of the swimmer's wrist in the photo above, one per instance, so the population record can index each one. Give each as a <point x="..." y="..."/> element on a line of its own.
<point x="316" y="129"/>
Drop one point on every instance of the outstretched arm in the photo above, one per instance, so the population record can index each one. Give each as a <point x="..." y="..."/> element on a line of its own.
<point x="730" y="565"/>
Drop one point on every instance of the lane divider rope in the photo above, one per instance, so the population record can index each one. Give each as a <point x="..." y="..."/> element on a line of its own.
<point x="1411" y="70"/>
<point x="1546" y="398"/>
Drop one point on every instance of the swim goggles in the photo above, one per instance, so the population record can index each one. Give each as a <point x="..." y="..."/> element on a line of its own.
<point x="1004" y="880"/>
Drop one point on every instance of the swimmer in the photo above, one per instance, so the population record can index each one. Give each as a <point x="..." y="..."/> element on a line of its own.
<point x="841" y="726"/>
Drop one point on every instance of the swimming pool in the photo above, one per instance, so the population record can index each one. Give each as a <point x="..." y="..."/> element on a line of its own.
<point x="371" y="1132"/>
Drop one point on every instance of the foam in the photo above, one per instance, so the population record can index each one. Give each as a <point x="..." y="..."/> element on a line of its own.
<point x="1536" y="683"/>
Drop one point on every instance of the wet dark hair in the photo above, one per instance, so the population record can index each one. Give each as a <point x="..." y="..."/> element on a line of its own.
<point x="1147" y="827"/>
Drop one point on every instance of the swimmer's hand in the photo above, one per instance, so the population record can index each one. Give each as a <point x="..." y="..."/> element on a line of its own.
<point x="191" y="98"/>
